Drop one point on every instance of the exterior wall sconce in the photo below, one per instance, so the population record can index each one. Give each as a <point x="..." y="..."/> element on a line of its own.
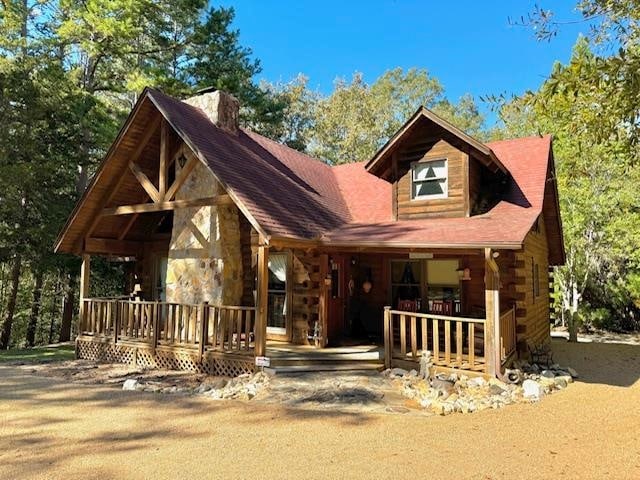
<point x="182" y="160"/>
<point x="367" y="285"/>
<point x="464" y="273"/>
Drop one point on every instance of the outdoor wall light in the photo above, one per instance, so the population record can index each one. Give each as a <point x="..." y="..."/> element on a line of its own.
<point x="464" y="273"/>
<point x="182" y="160"/>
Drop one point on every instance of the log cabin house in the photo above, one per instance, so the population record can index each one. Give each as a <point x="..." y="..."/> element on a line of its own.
<point x="239" y="247"/>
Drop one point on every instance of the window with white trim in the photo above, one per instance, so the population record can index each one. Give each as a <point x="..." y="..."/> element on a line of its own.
<point x="429" y="180"/>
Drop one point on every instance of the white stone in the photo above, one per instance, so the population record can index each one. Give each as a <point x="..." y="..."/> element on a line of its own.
<point x="572" y="372"/>
<point x="398" y="372"/>
<point x="130" y="384"/>
<point x="205" y="259"/>
<point x="532" y="390"/>
<point x="476" y="382"/>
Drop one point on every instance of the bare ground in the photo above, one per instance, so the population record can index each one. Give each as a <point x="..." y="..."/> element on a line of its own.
<point x="56" y="429"/>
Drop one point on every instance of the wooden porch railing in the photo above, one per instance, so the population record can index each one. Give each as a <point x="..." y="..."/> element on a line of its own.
<point x="455" y="342"/>
<point x="201" y="326"/>
<point x="507" y="334"/>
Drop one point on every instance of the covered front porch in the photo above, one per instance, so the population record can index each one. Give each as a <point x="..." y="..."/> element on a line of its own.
<point x="226" y="339"/>
<point x="211" y="339"/>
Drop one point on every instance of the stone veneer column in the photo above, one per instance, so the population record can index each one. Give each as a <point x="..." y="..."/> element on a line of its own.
<point x="205" y="260"/>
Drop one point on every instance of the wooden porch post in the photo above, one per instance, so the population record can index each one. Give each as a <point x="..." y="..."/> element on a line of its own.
<point x="84" y="288"/>
<point x="387" y="337"/>
<point x="323" y="300"/>
<point x="262" y="298"/>
<point x="492" y="319"/>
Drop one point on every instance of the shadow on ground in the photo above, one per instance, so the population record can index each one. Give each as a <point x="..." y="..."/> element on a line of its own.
<point x="604" y="363"/>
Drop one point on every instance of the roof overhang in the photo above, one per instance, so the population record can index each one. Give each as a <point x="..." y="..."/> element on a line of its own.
<point x="483" y="152"/>
<point x="319" y="243"/>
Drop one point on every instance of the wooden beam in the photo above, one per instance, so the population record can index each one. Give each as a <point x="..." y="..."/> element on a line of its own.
<point x="323" y="300"/>
<point x="262" y="299"/>
<point x="492" y="312"/>
<point x="128" y="226"/>
<point x="112" y="246"/>
<point x="146" y="136"/>
<point x="147" y="184"/>
<point x="163" y="172"/>
<point x="85" y="269"/>
<point x="162" y="206"/>
<point x="181" y="178"/>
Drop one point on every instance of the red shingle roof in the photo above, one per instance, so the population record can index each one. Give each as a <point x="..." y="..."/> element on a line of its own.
<point x="286" y="194"/>
<point x="291" y="195"/>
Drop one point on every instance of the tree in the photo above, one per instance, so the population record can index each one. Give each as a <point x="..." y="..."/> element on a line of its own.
<point x="596" y="176"/>
<point x="69" y="72"/>
<point x="357" y="119"/>
<point x="297" y="124"/>
<point x="38" y="112"/>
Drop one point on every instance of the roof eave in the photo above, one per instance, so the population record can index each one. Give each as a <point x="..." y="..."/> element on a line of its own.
<point x="506" y="245"/>
<point x="479" y="147"/>
<point x="57" y="248"/>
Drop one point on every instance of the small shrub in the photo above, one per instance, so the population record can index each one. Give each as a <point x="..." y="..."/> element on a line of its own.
<point x="597" y="319"/>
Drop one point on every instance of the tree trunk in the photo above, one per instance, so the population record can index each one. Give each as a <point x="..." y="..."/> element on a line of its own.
<point x="3" y="284"/>
<point x="573" y="327"/>
<point x="35" y="309"/>
<point x="5" y="333"/>
<point x="67" y="309"/>
<point x="573" y="313"/>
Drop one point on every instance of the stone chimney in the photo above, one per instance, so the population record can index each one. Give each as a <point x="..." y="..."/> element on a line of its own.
<point x="221" y="108"/>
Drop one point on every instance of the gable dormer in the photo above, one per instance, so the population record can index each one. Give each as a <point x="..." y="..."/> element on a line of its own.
<point x="437" y="170"/>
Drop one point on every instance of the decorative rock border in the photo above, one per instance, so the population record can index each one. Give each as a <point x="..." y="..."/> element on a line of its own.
<point x="446" y="394"/>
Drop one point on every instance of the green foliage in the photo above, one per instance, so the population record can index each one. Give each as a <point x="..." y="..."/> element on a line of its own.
<point x="69" y="73"/>
<point x="596" y="318"/>
<point x="591" y="107"/>
<point x="354" y="121"/>
<point x="38" y="146"/>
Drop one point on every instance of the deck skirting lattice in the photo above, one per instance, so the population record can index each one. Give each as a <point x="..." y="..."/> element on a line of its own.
<point x="212" y="363"/>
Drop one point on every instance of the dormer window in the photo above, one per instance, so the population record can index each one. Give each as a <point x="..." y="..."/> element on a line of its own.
<point x="429" y="180"/>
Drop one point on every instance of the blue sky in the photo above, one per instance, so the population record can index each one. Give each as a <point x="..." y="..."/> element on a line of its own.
<point x="468" y="45"/>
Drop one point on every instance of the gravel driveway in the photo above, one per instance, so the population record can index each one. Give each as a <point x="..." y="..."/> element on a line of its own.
<point x="53" y="429"/>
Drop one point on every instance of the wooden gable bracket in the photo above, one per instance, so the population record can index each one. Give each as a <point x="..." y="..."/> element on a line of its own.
<point x="195" y="231"/>
<point x="164" y="193"/>
<point x="163" y="168"/>
<point x="184" y="173"/>
<point x="128" y="226"/>
<point x="148" y="186"/>
<point x="148" y="133"/>
<point x="161" y="206"/>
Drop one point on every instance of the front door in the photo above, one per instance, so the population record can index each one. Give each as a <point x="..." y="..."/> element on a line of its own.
<point x="278" y="301"/>
<point x="336" y="299"/>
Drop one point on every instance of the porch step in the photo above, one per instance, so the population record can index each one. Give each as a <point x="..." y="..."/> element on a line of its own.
<point x="302" y="367"/>
<point x="322" y="357"/>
